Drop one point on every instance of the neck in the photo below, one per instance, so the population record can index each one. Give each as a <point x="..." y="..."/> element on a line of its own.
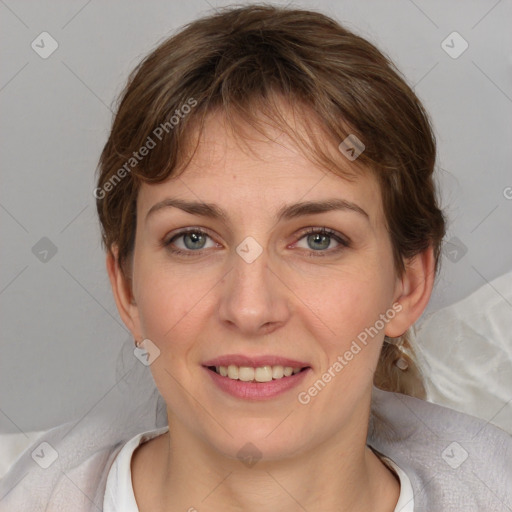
<point x="341" y="475"/>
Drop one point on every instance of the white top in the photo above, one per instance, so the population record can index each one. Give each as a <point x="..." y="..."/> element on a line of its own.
<point x="119" y="496"/>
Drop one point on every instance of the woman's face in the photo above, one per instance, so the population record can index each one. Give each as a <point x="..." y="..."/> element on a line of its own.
<point x="257" y="285"/>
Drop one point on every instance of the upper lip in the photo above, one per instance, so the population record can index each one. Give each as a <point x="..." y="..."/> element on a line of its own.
<point x="254" y="361"/>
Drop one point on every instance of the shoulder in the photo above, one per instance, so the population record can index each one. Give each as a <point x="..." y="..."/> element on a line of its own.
<point x="454" y="460"/>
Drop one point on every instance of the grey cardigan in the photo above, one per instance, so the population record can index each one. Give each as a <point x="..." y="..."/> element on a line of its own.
<point x="455" y="462"/>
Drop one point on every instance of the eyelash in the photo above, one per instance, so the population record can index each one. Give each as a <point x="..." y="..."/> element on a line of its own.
<point x="310" y="231"/>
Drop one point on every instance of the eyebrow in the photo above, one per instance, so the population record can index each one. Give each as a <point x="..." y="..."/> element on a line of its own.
<point x="286" y="212"/>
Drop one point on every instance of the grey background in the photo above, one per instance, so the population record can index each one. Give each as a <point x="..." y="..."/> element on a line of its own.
<point x="61" y="334"/>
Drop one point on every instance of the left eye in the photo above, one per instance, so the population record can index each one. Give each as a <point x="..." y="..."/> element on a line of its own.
<point x="322" y="238"/>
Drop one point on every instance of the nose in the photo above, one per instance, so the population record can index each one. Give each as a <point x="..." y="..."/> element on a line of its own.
<point x="254" y="299"/>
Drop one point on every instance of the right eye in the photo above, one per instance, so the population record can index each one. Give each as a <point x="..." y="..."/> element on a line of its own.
<point x="193" y="242"/>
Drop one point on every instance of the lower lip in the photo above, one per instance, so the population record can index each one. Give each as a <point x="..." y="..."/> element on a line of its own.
<point x="257" y="390"/>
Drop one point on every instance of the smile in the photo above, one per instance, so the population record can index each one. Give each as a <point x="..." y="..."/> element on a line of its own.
<point x="259" y="374"/>
<point x="268" y="387"/>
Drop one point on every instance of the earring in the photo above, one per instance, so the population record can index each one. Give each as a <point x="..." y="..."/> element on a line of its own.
<point x="400" y="362"/>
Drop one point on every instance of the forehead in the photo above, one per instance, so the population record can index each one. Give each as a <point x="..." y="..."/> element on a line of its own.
<point x="265" y="171"/>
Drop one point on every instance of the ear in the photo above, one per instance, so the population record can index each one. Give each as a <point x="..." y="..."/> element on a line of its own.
<point x="122" y="290"/>
<point x="413" y="292"/>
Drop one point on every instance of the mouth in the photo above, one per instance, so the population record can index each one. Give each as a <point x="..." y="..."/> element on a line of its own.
<point x="256" y="377"/>
<point x="259" y="374"/>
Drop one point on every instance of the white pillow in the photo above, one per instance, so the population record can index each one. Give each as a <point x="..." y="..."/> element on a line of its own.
<point x="467" y="353"/>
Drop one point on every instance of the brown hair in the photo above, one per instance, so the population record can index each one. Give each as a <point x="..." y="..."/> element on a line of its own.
<point x="237" y="61"/>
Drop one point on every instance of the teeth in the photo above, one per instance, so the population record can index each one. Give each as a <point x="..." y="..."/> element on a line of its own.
<point x="277" y="372"/>
<point x="233" y="371"/>
<point x="263" y="374"/>
<point x="260" y="374"/>
<point x="245" y="373"/>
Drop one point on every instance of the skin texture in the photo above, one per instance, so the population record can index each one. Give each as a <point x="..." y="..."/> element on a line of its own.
<point x="288" y="302"/>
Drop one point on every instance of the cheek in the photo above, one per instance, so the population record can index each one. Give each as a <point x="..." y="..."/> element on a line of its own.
<point x="170" y="303"/>
<point x="342" y="310"/>
<point x="344" y="300"/>
<point x="352" y="313"/>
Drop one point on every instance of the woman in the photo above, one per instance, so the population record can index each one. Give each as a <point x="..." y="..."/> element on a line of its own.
<point x="272" y="231"/>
